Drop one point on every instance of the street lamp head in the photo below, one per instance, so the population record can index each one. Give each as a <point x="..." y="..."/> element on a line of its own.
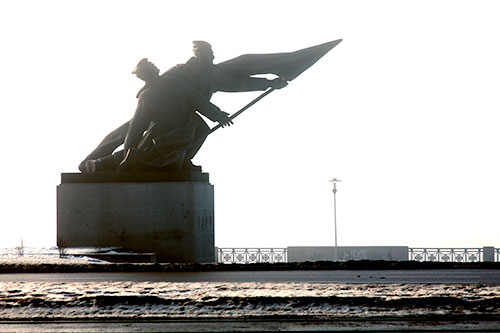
<point x="335" y="181"/>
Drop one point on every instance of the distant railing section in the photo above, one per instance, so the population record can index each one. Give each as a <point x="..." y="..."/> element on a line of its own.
<point x="280" y="255"/>
<point x="251" y="255"/>
<point x="447" y="254"/>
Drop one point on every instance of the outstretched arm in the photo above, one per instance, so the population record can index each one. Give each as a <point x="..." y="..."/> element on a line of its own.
<point x="203" y="105"/>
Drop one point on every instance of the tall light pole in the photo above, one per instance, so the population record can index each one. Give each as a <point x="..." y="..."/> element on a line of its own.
<point x="335" y="181"/>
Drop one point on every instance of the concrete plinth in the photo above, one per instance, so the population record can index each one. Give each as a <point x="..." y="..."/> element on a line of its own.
<point x="171" y="215"/>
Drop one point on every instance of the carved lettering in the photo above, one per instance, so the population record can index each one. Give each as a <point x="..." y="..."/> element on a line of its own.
<point x="204" y="221"/>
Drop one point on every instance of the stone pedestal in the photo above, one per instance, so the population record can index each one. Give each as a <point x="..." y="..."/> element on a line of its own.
<point x="170" y="214"/>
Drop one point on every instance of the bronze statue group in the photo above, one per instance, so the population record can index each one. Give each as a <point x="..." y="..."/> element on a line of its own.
<point x="166" y="130"/>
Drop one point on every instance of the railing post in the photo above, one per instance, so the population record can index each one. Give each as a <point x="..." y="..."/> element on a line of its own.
<point x="488" y="253"/>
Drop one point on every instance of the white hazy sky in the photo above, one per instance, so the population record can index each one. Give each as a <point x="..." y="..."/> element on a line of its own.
<point x="405" y="111"/>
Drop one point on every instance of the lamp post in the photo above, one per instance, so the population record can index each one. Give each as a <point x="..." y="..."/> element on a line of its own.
<point x="335" y="181"/>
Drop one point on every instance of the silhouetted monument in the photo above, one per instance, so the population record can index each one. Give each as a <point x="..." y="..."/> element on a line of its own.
<point x="148" y="196"/>
<point x="166" y="131"/>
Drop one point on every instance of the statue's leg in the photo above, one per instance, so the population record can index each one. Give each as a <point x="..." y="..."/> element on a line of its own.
<point x="136" y="161"/>
<point x="201" y="132"/>
<point x="107" y="163"/>
<point x="107" y="145"/>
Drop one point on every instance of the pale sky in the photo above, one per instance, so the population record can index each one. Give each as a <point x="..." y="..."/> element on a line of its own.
<point x="405" y="111"/>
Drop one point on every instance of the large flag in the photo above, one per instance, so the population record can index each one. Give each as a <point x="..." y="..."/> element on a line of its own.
<point x="238" y="72"/>
<point x="286" y="65"/>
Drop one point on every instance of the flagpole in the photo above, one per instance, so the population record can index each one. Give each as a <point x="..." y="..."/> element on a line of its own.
<point x="236" y="114"/>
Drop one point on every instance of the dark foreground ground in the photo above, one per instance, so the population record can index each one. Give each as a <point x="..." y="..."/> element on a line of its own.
<point x="373" y="296"/>
<point x="486" y="277"/>
<point x="298" y="266"/>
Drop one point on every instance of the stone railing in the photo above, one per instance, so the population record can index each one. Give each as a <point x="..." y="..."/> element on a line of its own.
<point x="454" y="254"/>
<point x="281" y="255"/>
<point x="251" y="255"/>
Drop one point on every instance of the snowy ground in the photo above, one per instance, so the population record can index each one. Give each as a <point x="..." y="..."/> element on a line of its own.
<point x="50" y="255"/>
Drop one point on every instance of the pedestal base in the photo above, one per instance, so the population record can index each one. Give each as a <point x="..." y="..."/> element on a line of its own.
<point x="151" y="213"/>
